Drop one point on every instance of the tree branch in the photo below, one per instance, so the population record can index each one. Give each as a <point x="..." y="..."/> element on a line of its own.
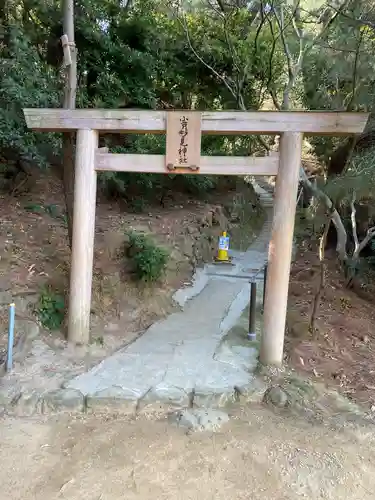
<point x="221" y="5"/>
<point x="342" y="237"/>
<point x="361" y="22"/>
<point x="304" y="46"/>
<point x="293" y="68"/>
<point x="270" y="62"/>
<point x="205" y="63"/>
<point x="318" y="294"/>
<point x="366" y="240"/>
<point x="354" y="224"/>
<point x="355" y="68"/>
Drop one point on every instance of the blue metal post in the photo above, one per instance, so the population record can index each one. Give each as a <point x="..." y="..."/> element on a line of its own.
<point x="12" y="311"/>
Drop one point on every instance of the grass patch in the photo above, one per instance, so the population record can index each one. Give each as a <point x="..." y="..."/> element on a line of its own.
<point x="50" y="309"/>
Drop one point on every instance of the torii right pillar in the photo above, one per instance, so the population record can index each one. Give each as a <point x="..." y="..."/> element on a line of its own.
<point x="280" y="249"/>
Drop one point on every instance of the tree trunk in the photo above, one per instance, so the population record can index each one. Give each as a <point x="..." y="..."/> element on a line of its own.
<point x="322" y="245"/>
<point x="342" y="237"/>
<point x="69" y="103"/>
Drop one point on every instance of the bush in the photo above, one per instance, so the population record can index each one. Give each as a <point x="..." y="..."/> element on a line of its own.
<point x="149" y="260"/>
<point x="26" y="82"/>
<point x="50" y="309"/>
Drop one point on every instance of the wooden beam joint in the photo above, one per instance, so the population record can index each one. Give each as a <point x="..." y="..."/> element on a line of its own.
<point x="67" y="46"/>
<point x="174" y="168"/>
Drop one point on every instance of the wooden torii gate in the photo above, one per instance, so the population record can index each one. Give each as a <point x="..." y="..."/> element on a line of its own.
<point x="183" y="155"/>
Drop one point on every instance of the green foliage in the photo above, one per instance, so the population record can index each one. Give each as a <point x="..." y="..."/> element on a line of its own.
<point x="149" y="260"/>
<point x="357" y="182"/>
<point x="336" y="71"/>
<point x="50" y="309"/>
<point x="137" y="54"/>
<point x="99" y="341"/>
<point x="25" y="81"/>
<point x="51" y="209"/>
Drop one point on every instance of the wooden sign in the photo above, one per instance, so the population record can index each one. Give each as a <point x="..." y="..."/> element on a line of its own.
<point x="183" y="151"/>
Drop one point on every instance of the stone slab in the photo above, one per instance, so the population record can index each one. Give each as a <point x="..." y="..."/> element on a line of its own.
<point x="60" y="400"/>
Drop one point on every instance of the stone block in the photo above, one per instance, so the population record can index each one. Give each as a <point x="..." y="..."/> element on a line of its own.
<point x="215" y="399"/>
<point x="112" y="400"/>
<point x="276" y="396"/>
<point x="63" y="400"/>
<point x="26" y="404"/>
<point x="253" y="392"/>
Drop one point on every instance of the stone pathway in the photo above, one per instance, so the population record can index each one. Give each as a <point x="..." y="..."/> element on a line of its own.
<point x="184" y="357"/>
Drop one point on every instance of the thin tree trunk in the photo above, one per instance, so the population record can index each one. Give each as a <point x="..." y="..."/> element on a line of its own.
<point x="69" y="103"/>
<point x="318" y="294"/>
<point x="342" y="237"/>
<point x="358" y="246"/>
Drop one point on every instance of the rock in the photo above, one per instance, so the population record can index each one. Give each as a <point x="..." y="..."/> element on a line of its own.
<point x="206" y="221"/>
<point x="26" y="404"/>
<point x="169" y="394"/>
<point x="30" y="328"/>
<point x="187" y="248"/>
<point x="216" y="400"/>
<point x="26" y="331"/>
<point x="276" y="396"/>
<point x="25" y="304"/>
<point x="163" y="398"/>
<point x="254" y="392"/>
<point x="63" y="400"/>
<point x="113" y="400"/>
<point x="234" y="217"/>
<point x="9" y="395"/>
<point x="5" y="297"/>
<point x="199" y="419"/>
<point x="219" y="218"/>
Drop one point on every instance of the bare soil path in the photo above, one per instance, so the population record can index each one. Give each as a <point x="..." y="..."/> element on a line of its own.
<point x="257" y="455"/>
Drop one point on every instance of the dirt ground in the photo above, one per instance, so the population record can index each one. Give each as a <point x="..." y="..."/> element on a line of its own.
<point x="257" y="455"/>
<point x="343" y="352"/>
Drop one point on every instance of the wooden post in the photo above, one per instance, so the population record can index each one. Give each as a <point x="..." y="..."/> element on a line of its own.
<point x="280" y="249"/>
<point x="83" y="237"/>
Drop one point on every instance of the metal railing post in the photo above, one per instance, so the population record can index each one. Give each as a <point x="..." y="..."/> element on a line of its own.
<point x="252" y="311"/>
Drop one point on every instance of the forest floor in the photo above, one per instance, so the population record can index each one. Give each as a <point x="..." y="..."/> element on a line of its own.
<point x="342" y="354"/>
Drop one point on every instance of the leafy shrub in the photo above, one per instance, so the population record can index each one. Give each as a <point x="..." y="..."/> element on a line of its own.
<point x="149" y="260"/>
<point x="26" y="82"/>
<point x="50" y="309"/>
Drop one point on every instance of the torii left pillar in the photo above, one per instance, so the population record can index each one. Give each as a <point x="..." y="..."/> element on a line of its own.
<point x="83" y="237"/>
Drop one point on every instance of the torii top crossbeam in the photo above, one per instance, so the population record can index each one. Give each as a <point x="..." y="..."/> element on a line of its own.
<point x="215" y="122"/>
